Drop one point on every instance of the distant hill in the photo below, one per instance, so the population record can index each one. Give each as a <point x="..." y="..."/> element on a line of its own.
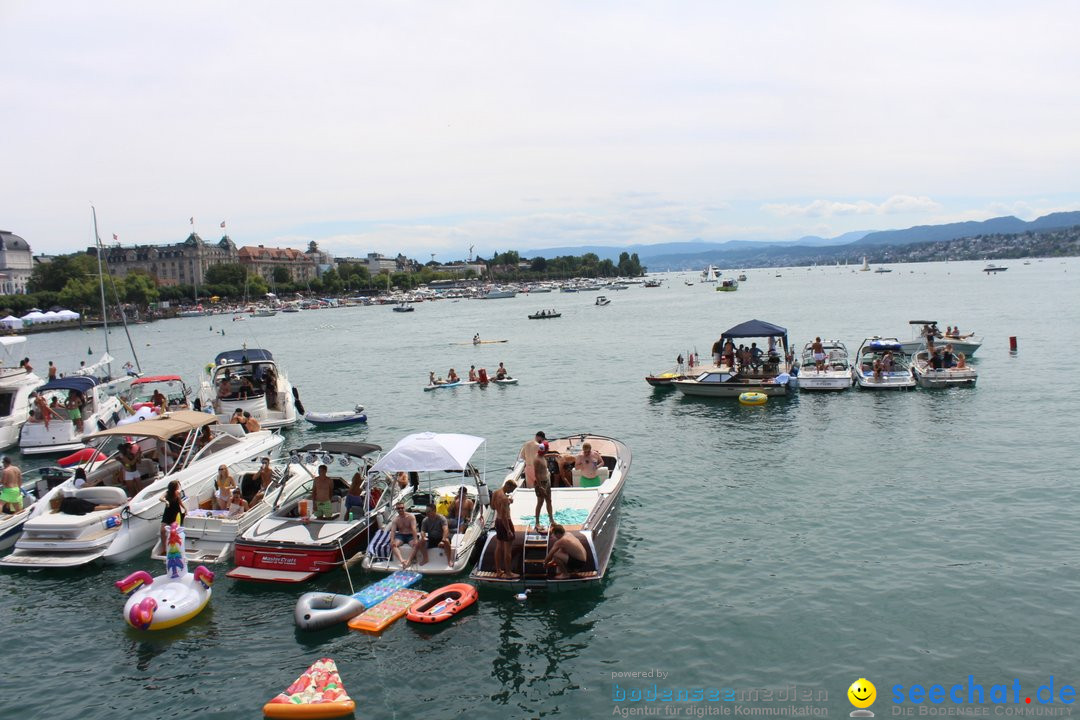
<point x="994" y="226"/>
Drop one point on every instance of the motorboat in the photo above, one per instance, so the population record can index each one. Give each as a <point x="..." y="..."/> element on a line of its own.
<point x="727" y="285"/>
<point x="172" y="387"/>
<point x="602" y="300"/>
<point x="768" y="372"/>
<point x="926" y="332"/>
<point x="264" y="312"/>
<point x="441" y="464"/>
<point x="875" y="350"/>
<point x="992" y="268"/>
<point x="404" y="307"/>
<point x="545" y="315"/>
<point x="589" y="511"/>
<point x="251" y="381"/>
<point x="653" y="283"/>
<point x="16" y="384"/>
<point x="836" y="373"/>
<point x="211" y="534"/>
<point x="291" y="544"/>
<point x="926" y="376"/>
<point x="57" y="431"/>
<point x="742" y="277"/>
<point x="497" y="293"/>
<point x="881" y="270"/>
<point x="172" y="447"/>
<point x="664" y="379"/>
<point x="11" y="524"/>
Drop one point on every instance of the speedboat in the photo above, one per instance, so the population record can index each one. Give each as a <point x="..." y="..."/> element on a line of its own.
<point x="292" y="545"/>
<point x="992" y="268"/>
<point x="171" y="386"/>
<point x="404" y="307"/>
<point x="602" y="300"/>
<point x="925" y="332"/>
<point x="11" y="525"/>
<point x="836" y="375"/>
<point x="16" y="384"/>
<point x="590" y="512"/>
<point x="769" y="373"/>
<point x="249" y="380"/>
<point x="874" y="350"/>
<point x="211" y="534"/>
<point x="927" y="377"/>
<point x="442" y="467"/>
<point x="727" y="285"/>
<point x="57" y="432"/>
<point x="122" y="527"/>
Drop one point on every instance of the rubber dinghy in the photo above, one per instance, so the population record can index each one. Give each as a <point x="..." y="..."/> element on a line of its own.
<point x="442" y="604"/>
<point x="341" y="417"/>
<point x="317" y="693"/>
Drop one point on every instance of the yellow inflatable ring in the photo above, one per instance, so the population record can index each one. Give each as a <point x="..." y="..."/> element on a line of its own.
<point x="753" y="398"/>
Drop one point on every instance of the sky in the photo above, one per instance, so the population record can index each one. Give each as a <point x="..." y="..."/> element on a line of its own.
<point x="432" y="127"/>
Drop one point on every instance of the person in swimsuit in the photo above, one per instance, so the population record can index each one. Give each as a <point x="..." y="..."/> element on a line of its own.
<point x="819" y="354"/>
<point x="354" y="501"/>
<point x="961" y="361"/>
<point x="11" y="495"/>
<point x="542" y="488"/>
<point x="223" y="488"/>
<point x="75" y="406"/>
<point x="472" y="374"/>
<point x="461" y="510"/>
<point x="129" y="455"/>
<point x="237" y="417"/>
<point x="263" y="476"/>
<point x="504" y="530"/>
<point x="321" y="492"/>
<point x="588" y="464"/>
<point x="529" y="453"/>
<point x="174" y="510"/>
<point x="452" y="377"/>
<point x="237" y="504"/>
<point x="403" y="528"/>
<point x="567" y="554"/>
<point x="501" y="373"/>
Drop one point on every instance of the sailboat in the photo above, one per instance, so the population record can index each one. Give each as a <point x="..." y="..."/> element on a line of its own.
<point x="709" y="274"/>
<point x="865" y="265"/>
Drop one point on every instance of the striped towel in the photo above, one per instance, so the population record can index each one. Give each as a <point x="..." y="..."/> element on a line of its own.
<point x="379" y="547"/>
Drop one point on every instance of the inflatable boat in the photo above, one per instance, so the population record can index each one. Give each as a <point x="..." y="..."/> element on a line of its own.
<point x="442" y="604"/>
<point x="320" y="610"/>
<point x="341" y="417"/>
<point x="165" y="601"/>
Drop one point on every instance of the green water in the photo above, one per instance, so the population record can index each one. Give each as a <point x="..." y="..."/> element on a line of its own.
<point x="915" y="537"/>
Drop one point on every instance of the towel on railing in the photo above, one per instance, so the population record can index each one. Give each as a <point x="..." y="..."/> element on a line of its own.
<point x="379" y="547"/>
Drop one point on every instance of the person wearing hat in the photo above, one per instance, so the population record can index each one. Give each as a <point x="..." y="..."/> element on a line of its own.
<point x="11" y="494"/>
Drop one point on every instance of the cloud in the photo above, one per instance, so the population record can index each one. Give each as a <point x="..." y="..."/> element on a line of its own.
<point x="897" y="204"/>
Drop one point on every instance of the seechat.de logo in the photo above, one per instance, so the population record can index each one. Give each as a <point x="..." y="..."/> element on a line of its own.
<point x="862" y="694"/>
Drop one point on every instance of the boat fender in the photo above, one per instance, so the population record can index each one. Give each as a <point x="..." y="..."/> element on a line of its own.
<point x="133" y="581"/>
<point x="483" y="494"/>
<point x="296" y="400"/>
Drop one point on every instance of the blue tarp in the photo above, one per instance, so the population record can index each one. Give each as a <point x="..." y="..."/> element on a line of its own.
<point x="755" y="329"/>
<point x="78" y="382"/>
<point x="231" y="357"/>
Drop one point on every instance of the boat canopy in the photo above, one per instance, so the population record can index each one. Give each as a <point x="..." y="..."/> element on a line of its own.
<point x="430" y="452"/>
<point x="755" y="329"/>
<point x="883" y="345"/>
<point x="922" y="322"/>
<point x="232" y="357"/>
<point x="81" y="383"/>
<point x="355" y="449"/>
<point x="157" y="379"/>
<point x="161" y="428"/>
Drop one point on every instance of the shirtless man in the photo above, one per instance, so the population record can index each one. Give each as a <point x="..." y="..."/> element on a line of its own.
<point x="403" y="529"/>
<point x="819" y="354"/>
<point x="321" y="492"/>
<point x="452" y="377"/>
<point x="529" y="453"/>
<point x="264" y="475"/>
<point x="501" y="373"/>
<point x="542" y="488"/>
<point x="460" y="511"/>
<point x="588" y="464"/>
<point x="11" y="495"/>
<point x="472" y="374"/>
<point x="567" y="553"/>
<point x="504" y="530"/>
<point x="250" y="423"/>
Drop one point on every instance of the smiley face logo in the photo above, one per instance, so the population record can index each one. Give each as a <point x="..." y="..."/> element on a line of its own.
<point x="862" y="693"/>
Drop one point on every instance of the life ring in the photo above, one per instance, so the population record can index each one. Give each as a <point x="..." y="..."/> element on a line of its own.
<point x="81" y="456"/>
<point x="753" y="398"/>
<point x="442" y="604"/>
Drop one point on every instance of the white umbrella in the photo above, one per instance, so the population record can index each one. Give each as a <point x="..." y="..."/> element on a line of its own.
<point x="427" y="452"/>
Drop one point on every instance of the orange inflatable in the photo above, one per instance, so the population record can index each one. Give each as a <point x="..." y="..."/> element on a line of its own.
<point x="81" y="456"/>
<point x="442" y="604"/>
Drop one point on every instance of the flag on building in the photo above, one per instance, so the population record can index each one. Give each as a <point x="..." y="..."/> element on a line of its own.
<point x="114" y="237"/>
<point x="223" y="223"/>
<point x="192" y="220"/>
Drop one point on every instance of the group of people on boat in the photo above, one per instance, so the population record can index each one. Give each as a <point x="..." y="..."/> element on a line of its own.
<point x="248" y="382"/>
<point x="743" y="358"/>
<point x="945" y="358"/>
<point x="44" y="411"/>
<point x="931" y="333"/>
<point x="434" y="531"/>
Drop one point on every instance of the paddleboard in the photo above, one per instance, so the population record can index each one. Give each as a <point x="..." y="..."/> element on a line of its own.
<point x="482" y="342"/>
<point x="428" y="388"/>
<point x="506" y="381"/>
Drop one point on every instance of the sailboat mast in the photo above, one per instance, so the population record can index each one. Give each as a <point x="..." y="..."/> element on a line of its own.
<point x="101" y="284"/>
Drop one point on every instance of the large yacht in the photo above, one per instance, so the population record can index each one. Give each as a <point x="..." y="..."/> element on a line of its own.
<point x="16" y="384"/>
<point x="249" y="380"/>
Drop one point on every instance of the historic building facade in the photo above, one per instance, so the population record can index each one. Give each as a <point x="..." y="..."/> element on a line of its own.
<point x="16" y="263"/>
<point x="262" y="260"/>
<point x="184" y="263"/>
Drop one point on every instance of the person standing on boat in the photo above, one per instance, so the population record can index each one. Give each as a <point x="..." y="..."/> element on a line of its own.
<point x="11" y="495"/>
<point x="679" y="364"/>
<point x="717" y="352"/>
<point x="529" y="452"/>
<point x="588" y="465"/>
<point x="542" y="489"/>
<point x="504" y="530"/>
<point x="52" y="371"/>
<point x="74" y="405"/>
<point x="819" y="354"/>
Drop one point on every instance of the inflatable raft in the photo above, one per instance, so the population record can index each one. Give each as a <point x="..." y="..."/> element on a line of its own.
<point x="320" y="610"/>
<point x="317" y="693"/>
<point x="82" y="456"/>
<point x="442" y="604"/>
<point x="341" y="417"/>
<point x="387" y="612"/>
<point x="165" y="601"/>
<point x="753" y="398"/>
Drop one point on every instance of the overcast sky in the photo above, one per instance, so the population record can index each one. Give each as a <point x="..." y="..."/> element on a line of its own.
<point x="427" y="127"/>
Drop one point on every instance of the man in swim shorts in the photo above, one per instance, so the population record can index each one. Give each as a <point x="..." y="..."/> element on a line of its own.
<point x="403" y="528"/>
<point x="504" y="530"/>
<point x="588" y="464"/>
<point x="819" y="354"/>
<point x="11" y="495"/>
<point x="566" y="553"/>
<point x="542" y="488"/>
<point x="529" y="452"/>
<point x="321" y="492"/>
<point x="434" y="533"/>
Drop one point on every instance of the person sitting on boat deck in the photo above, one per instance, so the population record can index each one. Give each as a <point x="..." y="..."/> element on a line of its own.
<point x="237" y="417"/>
<point x="322" y="490"/>
<point x="542" y="489"/>
<point x="11" y="495"/>
<point x="504" y="530"/>
<point x="254" y="485"/>
<point x="354" y="501"/>
<point x="129" y="455"/>
<point x="452" y="376"/>
<point x="224" y="485"/>
<point x="224" y="388"/>
<point x="246" y="388"/>
<point x="71" y="505"/>
<point x="476" y="339"/>
<point x="948" y="358"/>
<point x="588" y="465"/>
<point x="948" y="331"/>
<point x="878" y="376"/>
<point x="501" y="373"/>
<point x="174" y="510"/>
<point x="887" y="361"/>
<point x="717" y="353"/>
<point x="250" y="423"/>
<point x="75" y="404"/>
<point x="755" y="356"/>
<point x="566" y="554"/>
<point x="819" y="354"/>
<point x="961" y="361"/>
<point x="403" y="529"/>
<point x="461" y="510"/>
<point x="934" y="360"/>
<point x="433" y="533"/>
<point x="473" y="377"/>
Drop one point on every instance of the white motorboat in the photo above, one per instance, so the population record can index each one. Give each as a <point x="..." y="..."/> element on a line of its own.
<point x="589" y="511"/>
<point x="881" y="364"/>
<point x="835" y="373"/>
<point x="926" y="332"/>
<point x="928" y="376"/>
<point x="58" y="432"/>
<point x="16" y="384"/>
<point x="249" y="380"/>
<point x="11" y="525"/>
<point x="602" y="300"/>
<point x="291" y="544"/>
<point x="497" y="293"/>
<point x="443" y="460"/>
<point x="767" y="372"/>
<point x="141" y="394"/>
<point x="708" y="275"/>
<point x="211" y="534"/>
<point x="171" y="449"/>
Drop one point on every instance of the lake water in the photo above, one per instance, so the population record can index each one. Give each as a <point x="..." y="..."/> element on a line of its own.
<point x="916" y="537"/>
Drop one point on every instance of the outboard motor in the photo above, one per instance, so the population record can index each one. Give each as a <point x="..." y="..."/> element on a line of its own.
<point x="296" y="401"/>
